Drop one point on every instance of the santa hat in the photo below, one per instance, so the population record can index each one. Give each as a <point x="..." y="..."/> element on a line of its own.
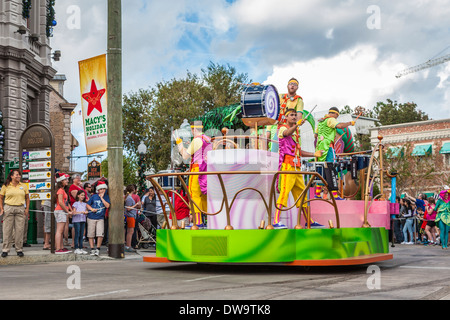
<point x="101" y="185"/>
<point x="61" y="176"/>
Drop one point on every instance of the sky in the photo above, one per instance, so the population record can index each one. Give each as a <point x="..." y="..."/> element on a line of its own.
<point x="342" y="52"/>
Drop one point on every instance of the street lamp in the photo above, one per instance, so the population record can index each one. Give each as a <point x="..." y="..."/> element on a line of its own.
<point x="142" y="150"/>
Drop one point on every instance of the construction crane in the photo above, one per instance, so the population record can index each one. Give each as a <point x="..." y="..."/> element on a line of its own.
<point x="428" y="64"/>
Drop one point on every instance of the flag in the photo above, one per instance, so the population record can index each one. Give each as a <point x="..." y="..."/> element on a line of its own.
<point x="93" y="83"/>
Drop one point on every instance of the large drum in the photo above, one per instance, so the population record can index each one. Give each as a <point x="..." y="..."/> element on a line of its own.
<point x="260" y="105"/>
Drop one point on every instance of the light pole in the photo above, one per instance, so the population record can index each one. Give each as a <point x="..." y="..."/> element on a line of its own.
<point x="142" y="150"/>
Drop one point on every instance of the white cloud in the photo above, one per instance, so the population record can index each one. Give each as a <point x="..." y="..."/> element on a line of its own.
<point x="353" y="77"/>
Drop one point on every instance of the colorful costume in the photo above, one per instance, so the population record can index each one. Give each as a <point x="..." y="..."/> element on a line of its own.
<point x="197" y="183"/>
<point x="290" y="153"/>
<point x="326" y="134"/>
<point x="288" y="103"/>
<point x="443" y="217"/>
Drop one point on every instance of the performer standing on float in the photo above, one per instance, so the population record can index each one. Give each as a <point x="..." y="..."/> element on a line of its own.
<point x="290" y="100"/>
<point x="325" y="133"/>
<point x="443" y="216"/>
<point x="290" y="160"/>
<point x="197" y="151"/>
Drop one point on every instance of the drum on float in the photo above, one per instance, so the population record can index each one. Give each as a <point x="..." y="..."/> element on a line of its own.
<point x="260" y="105"/>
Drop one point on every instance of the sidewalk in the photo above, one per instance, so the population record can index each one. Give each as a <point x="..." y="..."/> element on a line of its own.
<point x="35" y="254"/>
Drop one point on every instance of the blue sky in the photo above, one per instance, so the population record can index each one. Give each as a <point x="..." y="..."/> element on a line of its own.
<point x="343" y="52"/>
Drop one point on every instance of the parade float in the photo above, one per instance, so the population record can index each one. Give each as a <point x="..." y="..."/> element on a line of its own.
<point x="242" y="174"/>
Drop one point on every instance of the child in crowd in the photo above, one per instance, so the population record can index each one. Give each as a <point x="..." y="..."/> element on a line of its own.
<point x="79" y="220"/>
<point x="98" y="204"/>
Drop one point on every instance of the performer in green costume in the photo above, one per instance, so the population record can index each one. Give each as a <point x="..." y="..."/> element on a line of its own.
<point x="443" y="216"/>
<point x="325" y="134"/>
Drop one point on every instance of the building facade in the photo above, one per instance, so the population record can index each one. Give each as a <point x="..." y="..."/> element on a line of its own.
<point x="427" y="141"/>
<point x="25" y="68"/>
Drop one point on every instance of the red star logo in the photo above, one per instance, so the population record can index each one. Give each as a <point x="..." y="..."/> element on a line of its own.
<point x="93" y="98"/>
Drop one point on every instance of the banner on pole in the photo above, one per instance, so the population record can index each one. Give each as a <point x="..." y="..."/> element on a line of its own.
<point x="94" y="104"/>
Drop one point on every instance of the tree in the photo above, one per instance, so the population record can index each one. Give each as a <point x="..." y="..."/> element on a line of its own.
<point x="223" y="84"/>
<point x="392" y="112"/>
<point x="130" y="167"/>
<point x="150" y="115"/>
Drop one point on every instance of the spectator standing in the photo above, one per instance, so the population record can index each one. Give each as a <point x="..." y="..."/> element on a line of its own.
<point x="98" y="204"/>
<point x="130" y="212"/>
<point x="79" y="221"/>
<point x="75" y="187"/>
<point x="62" y="211"/>
<point x="14" y="207"/>
<point x="88" y="188"/>
<point x="430" y="228"/>
<point x="46" y="207"/>
<point x="149" y="206"/>
<point x="443" y="217"/>
<point x="409" y="223"/>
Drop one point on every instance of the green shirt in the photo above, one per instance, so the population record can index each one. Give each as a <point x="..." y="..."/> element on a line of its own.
<point x="326" y="133"/>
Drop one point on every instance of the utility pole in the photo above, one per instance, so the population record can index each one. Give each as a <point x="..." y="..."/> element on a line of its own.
<point x="116" y="234"/>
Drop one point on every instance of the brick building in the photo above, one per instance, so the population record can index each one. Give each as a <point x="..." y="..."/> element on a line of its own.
<point x="60" y="124"/>
<point x="425" y="138"/>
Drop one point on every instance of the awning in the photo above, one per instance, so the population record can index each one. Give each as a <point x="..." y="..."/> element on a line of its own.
<point x="395" y="152"/>
<point x="445" y="148"/>
<point x="422" y="150"/>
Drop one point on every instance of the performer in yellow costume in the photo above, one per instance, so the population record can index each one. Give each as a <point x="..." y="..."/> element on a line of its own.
<point x="197" y="151"/>
<point x="290" y="160"/>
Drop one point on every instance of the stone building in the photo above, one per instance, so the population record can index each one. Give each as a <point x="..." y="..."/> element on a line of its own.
<point x="25" y="68"/>
<point x="60" y="124"/>
<point x="430" y="137"/>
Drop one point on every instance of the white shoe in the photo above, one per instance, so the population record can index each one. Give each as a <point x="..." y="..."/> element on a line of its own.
<point x="77" y="251"/>
<point x="410" y="242"/>
<point x="97" y="252"/>
<point x="404" y="242"/>
<point x="83" y="251"/>
<point x="92" y="252"/>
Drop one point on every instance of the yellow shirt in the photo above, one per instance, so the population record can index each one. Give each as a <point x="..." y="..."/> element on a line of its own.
<point x="195" y="145"/>
<point x="297" y="104"/>
<point x="14" y="195"/>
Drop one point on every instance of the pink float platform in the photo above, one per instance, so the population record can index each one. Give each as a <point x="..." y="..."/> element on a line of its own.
<point x="248" y="209"/>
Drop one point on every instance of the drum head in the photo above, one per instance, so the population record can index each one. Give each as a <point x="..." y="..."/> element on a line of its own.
<point x="271" y="102"/>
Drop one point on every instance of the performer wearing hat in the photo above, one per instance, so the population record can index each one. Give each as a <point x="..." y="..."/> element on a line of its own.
<point x="290" y="100"/>
<point x="197" y="151"/>
<point x="325" y="133"/>
<point x="290" y="153"/>
<point x="443" y="216"/>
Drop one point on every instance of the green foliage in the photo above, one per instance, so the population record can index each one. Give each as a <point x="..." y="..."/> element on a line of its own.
<point x="392" y="112"/>
<point x="130" y="167"/>
<point x="26" y="8"/>
<point x="151" y="115"/>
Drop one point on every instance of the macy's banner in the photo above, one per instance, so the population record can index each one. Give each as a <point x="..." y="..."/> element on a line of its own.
<point x="93" y="84"/>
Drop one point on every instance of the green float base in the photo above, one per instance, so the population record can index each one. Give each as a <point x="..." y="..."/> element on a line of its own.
<point x="308" y="247"/>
